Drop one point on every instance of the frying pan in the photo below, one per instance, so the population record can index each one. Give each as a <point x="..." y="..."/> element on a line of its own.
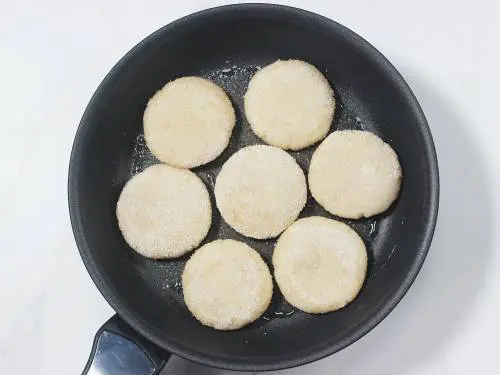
<point x="227" y="45"/>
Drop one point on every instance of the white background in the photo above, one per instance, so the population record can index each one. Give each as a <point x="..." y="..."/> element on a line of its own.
<point x="53" y="54"/>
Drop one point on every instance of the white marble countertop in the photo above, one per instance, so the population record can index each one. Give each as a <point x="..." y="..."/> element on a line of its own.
<point x="54" y="53"/>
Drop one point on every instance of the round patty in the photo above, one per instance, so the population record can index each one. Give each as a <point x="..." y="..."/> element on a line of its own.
<point x="226" y="285"/>
<point x="289" y="104"/>
<point x="354" y="174"/>
<point x="260" y="191"/>
<point x="188" y="122"/>
<point x="164" y="212"/>
<point x="319" y="264"/>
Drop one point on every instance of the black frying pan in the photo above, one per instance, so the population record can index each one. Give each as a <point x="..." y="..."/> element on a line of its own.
<point x="226" y="45"/>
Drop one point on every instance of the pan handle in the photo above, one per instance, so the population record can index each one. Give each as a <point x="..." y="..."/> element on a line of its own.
<point x="119" y="350"/>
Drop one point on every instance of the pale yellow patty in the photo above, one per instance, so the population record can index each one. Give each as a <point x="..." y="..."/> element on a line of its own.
<point x="289" y="104"/>
<point x="188" y="122"/>
<point x="354" y="174"/>
<point x="260" y="191"/>
<point x="164" y="212"/>
<point x="226" y="285"/>
<point x="319" y="264"/>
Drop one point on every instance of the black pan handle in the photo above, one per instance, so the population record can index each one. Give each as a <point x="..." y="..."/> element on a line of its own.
<point x="119" y="350"/>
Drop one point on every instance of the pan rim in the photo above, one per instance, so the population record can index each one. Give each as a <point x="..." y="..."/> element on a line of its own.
<point x="326" y="348"/>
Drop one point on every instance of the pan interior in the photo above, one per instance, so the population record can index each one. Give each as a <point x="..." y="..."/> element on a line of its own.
<point x="228" y="46"/>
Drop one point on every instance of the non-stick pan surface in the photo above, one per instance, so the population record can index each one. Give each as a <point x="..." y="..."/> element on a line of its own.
<point x="227" y="45"/>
